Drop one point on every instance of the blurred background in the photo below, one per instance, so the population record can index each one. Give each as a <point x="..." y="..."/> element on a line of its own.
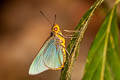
<point x="23" y="32"/>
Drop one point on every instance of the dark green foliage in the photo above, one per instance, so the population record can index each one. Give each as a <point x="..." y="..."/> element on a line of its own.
<point x="103" y="62"/>
<point x="73" y="47"/>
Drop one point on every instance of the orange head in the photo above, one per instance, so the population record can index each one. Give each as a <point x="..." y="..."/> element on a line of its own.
<point x="56" y="28"/>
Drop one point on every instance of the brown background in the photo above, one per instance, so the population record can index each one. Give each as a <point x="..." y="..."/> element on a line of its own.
<point x="23" y="31"/>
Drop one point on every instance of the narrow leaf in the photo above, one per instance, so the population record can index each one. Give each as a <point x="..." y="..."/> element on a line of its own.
<point x="103" y="62"/>
<point x="73" y="47"/>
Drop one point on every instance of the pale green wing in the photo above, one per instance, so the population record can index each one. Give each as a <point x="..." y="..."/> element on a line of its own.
<point x="38" y="65"/>
<point x="53" y="57"/>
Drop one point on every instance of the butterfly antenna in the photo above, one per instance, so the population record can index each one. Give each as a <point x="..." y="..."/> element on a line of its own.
<point x="45" y="17"/>
<point x="54" y="20"/>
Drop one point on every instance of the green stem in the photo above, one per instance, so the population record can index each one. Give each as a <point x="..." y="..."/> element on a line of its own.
<point x="82" y="26"/>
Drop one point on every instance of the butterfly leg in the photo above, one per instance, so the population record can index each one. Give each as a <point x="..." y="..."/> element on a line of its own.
<point x="69" y="36"/>
<point x="71" y="31"/>
<point x="68" y="54"/>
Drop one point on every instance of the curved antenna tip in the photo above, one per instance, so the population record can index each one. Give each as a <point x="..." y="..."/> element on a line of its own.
<point x="45" y="17"/>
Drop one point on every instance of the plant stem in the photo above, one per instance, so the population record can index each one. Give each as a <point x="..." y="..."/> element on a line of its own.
<point x="75" y="43"/>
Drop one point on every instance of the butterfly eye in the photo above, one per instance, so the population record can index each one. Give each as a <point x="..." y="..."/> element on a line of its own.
<point x="55" y="28"/>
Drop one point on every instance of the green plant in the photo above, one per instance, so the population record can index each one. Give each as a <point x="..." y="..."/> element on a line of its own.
<point x="103" y="62"/>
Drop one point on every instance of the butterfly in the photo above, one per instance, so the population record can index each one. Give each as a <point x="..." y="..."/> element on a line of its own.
<point x="52" y="55"/>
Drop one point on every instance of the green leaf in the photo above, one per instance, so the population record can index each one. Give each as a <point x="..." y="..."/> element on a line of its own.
<point x="103" y="62"/>
<point x="73" y="47"/>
